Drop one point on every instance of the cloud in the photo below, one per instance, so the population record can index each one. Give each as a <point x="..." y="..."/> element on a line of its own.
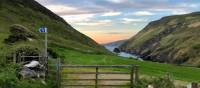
<point x="129" y="20"/>
<point x="61" y="8"/>
<point x="66" y="10"/>
<point x="95" y="23"/>
<point x="117" y="33"/>
<point x="190" y="5"/>
<point x="76" y="7"/>
<point x="179" y="12"/>
<point x="172" y="11"/>
<point x="112" y="14"/>
<point x="143" y="13"/>
<point x="43" y="2"/>
<point x="116" y="1"/>
<point x="78" y="18"/>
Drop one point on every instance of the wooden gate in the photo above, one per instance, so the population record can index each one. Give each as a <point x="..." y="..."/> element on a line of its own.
<point x="130" y="70"/>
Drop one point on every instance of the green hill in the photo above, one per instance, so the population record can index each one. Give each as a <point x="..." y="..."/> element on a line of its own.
<point x="27" y="16"/>
<point x="172" y="39"/>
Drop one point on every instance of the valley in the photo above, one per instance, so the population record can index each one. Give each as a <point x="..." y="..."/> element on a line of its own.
<point x="166" y="47"/>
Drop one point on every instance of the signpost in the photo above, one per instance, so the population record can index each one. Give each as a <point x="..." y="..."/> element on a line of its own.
<point x="43" y="29"/>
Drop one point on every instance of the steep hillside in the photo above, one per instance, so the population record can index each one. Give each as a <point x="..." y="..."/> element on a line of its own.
<point x="172" y="39"/>
<point x="17" y="16"/>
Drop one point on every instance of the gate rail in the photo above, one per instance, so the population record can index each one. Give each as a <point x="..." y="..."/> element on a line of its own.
<point x="134" y="76"/>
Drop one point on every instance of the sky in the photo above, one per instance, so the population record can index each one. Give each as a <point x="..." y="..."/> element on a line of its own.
<point x="111" y="20"/>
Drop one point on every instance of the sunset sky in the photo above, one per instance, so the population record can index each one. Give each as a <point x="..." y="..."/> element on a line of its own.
<point x="110" y="20"/>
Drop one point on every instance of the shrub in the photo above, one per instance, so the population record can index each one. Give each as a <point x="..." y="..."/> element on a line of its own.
<point x="19" y="29"/>
<point x="52" y="53"/>
<point x="7" y="78"/>
<point x="19" y="33"/>
<point x="163" y="83"/>
<point x="196" y="47"/>
<point x="156" y="83"/>
<point x="142" y="83"/>
<point x="198" y="66"/>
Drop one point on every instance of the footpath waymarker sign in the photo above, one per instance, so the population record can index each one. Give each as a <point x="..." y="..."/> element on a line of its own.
<point x="43" y="29"/>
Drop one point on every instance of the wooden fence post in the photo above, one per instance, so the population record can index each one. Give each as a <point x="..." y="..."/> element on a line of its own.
<point x="132" y="76"/>
<point x="96" y="77"/>
<point x="136" y="74"/>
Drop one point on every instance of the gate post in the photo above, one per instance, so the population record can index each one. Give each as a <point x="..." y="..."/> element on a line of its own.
<point x="132" y="75"/>
<point x="96" y="77"/>
<point x="136" y="74"/>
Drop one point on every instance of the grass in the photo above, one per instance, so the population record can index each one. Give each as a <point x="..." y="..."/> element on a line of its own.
<point x="189" y="74"/>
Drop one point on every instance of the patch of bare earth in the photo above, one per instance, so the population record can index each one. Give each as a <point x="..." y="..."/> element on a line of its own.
<point x="194" y="25"/>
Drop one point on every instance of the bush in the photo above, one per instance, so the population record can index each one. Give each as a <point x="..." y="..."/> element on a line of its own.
<point x="155" y="82"/>
<point x="21" y="30"/>
<point x="196" y="47"/>
<point x="198" y="66"/>
<point x="142" y="83"/>
<point x="163" y="83"/>
<point x="19" y="33"/>
<point x="8" y="78"/>
<point x="52" y="53"/>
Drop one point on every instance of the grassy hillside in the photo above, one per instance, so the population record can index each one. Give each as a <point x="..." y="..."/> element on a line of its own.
<point x="31" y="15"/>
<point x="172" y="39"/>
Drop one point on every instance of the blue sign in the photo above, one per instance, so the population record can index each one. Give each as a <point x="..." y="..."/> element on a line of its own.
<point x="42" y="29"/>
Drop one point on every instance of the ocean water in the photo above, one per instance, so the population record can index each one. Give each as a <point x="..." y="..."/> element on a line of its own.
<point x="122" y="54"/>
